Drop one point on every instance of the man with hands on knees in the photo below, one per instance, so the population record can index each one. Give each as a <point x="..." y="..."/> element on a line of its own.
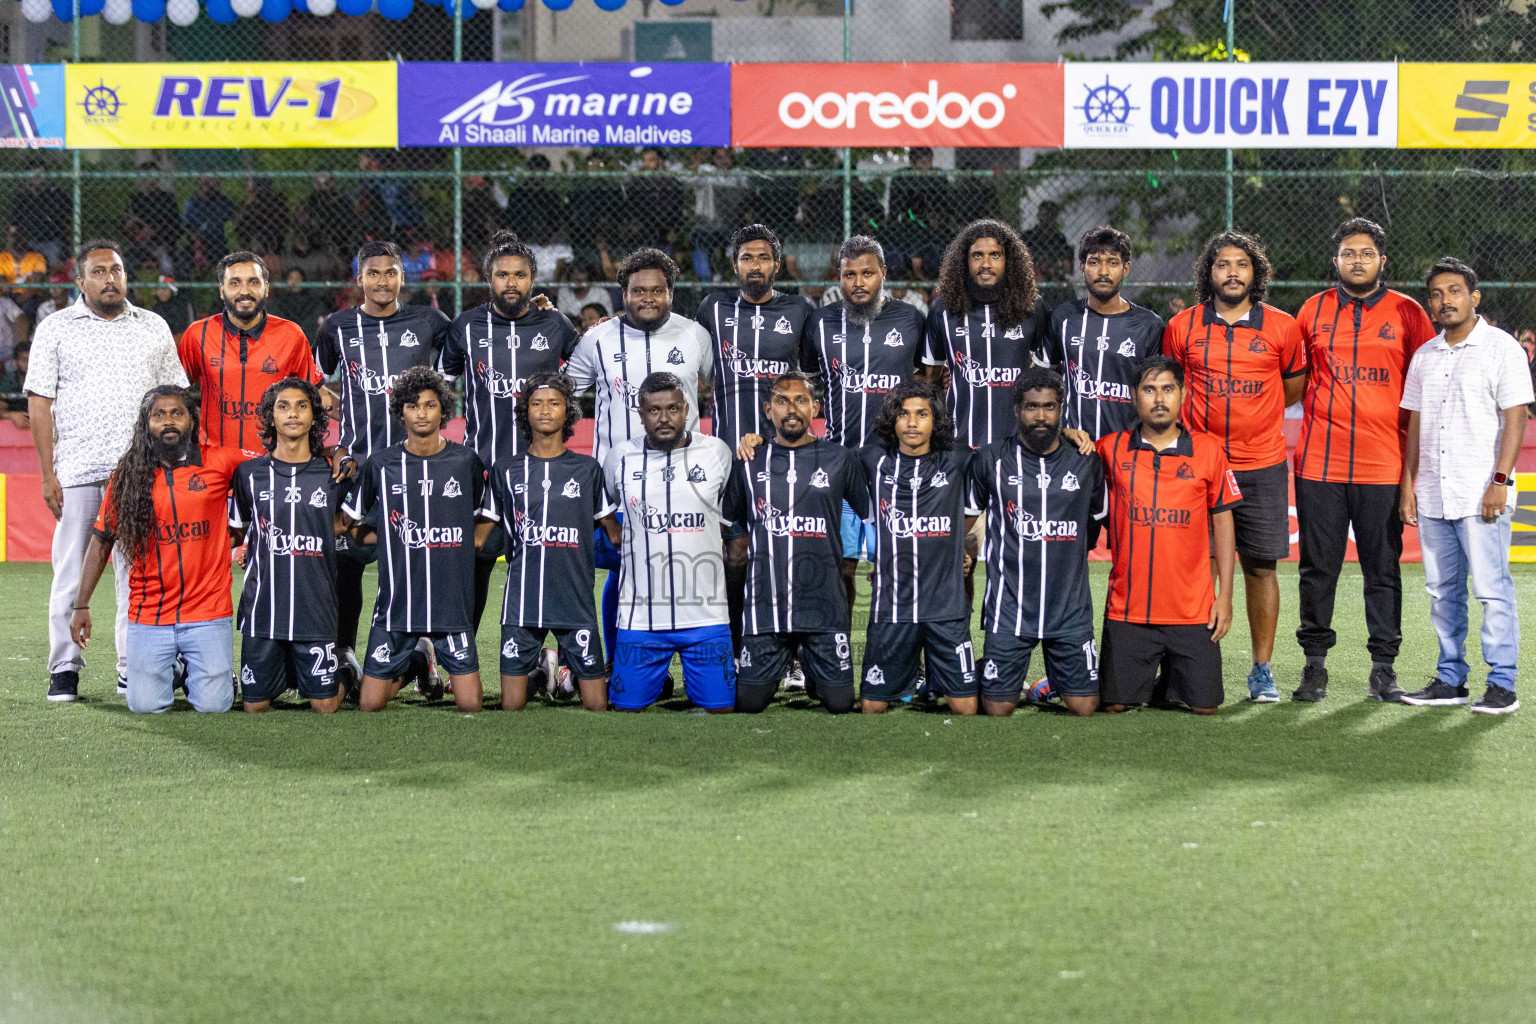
<point x="166" y="511"/>
<point x="1170" y="511"/>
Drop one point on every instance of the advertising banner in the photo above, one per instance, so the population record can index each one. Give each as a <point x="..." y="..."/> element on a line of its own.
<point x="1230" y="106"/>
<point x="566" y="105"/>
<point x="230" y="106"/>
<point x="1467" y="106"/>
<point x="33" y="97"/>
<point x="896" y="105"/>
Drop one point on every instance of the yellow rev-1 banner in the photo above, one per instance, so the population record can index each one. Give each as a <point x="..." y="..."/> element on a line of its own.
<point x="230" y="106"/>
<point x="1466" y="106"/>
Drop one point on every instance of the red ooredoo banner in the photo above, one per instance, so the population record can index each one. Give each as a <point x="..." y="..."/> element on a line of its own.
<point x="896" y="105"/>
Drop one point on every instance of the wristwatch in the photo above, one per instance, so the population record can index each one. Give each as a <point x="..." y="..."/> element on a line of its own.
<point x="1502" y="479"/>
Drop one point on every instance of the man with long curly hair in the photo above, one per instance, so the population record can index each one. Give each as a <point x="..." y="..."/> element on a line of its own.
<point x="982" y="328"/>
<point x="982" y="331"/>
<point x="547" y="499"/>
<point x="1244" y="362"/>
<point x="427" y="490"/>
<point x="920" y="513"/>
<point x="166" y="512"/>
<point x="287" y="506"/>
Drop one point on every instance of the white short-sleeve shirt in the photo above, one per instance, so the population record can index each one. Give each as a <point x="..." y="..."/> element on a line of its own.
<point x="1460" y="393"/>
<point x="97" y="371"/>
<point x="672" y="568"/>
<point x="617" y="356"/>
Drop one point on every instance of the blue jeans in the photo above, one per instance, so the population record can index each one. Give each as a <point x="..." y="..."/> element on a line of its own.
<point x="207" y="648"/>
<point x="1452" y="548"/>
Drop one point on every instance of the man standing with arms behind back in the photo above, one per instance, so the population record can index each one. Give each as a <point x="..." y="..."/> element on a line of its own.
<point x="91" y="364"/>
<point x="1466" y="395"/>
<point x="1245" y="361"/>
<point x="1360" y="337"/>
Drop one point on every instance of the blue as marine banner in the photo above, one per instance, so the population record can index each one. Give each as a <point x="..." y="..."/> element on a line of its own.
<point x="565" y="105"/>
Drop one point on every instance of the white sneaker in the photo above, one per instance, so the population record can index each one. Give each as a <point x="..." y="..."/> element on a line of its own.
<point x="794" y="679"/>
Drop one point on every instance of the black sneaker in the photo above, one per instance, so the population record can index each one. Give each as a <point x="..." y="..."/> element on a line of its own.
<point x="64" y="686"/>
<point x="1497" y="701"/>
<point x="1384" y="687"/>
<point x="1314" y="685"/>
<point x="1437" y="694"/>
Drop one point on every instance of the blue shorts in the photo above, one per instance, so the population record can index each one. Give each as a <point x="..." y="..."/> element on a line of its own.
<point x="858" y="536"/>
<point x="604" y="554"/>
<point x="641" y="658"/>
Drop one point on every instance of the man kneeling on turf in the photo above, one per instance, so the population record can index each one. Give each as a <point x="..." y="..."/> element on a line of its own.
<point x="790" y="497"/>
<point x="672" y="589"/>
<point x="1042" y="498"/>
<point x="287" y="506"/>
<point x="546" y="498"/>
<point x="1170" y="502"/>
<point x="428" y="490"/>
<point x="165" y="511"/>
<point x="917" y="480"/>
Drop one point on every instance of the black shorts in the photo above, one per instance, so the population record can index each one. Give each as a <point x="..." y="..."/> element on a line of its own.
<point x="826" y="657"/>
<point x="892" y="651"/>
<point x="1133" y="653"/>
<point x="389" y="654"/>
<point x="1262" y="520"/>
<point x="581" y="648"/>
<point x="1071" y="664"/>
<point x="268" y="667"/>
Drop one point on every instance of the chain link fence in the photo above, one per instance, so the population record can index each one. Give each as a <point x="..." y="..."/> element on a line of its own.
<point x="305" y="211"/>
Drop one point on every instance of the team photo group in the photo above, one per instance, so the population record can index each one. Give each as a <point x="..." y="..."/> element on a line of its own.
<point x="862" y="444"/>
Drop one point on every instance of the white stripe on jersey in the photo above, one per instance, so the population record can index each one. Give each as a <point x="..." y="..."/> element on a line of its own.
<point x="1043" y="481"/>
<point x="789" y="549"/>
<point x="426" y="522"/>
<point x="293" y="529"/>
<point x="987" y="332"/>
<point x="383" y="543"/>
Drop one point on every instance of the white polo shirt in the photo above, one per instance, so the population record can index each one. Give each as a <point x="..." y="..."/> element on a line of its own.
<point x="97" y="371"/>
<point x="1460" y="393"/>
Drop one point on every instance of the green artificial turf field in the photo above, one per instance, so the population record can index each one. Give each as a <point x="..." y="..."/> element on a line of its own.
<point x="1340" y="862"/>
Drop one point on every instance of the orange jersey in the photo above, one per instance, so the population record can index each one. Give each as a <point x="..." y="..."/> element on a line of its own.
<point x="1234" y="378"/>
<point x="185" y="578"/>
<point x="1160" y="505"/>
<point x="234" y="368"/>
<point x="1358" y="351"/>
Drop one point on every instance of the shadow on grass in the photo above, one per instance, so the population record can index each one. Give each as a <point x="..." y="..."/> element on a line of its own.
<point x="1333" y="749"/>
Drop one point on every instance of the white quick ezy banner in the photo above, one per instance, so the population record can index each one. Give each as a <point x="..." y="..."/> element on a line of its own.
<point x="1230" y="106"/>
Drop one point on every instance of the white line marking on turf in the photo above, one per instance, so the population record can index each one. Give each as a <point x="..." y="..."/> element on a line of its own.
<point x="1069" y="975"/>
<point x="643" y="927"/>
<point x="296" y="880"/>
<point x="1191" y="846"/>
